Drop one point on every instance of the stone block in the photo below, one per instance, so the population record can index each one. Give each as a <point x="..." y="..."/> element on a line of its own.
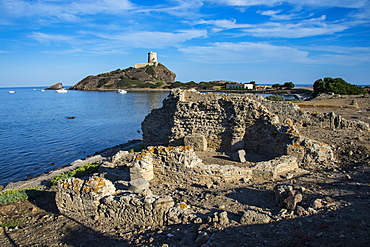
<point x="240" y="156"/>
<point x="142" y="169"/>
<point x="197" y="142"/>
<point x="138" y="185"/>
<point x="273" y="168"/>
<point x="76" y="196"/>
<point x="252" y="217"/>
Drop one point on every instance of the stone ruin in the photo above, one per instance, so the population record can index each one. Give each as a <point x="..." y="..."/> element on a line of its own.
<point x="231" y="123"/>
<point x="261" y="133"/>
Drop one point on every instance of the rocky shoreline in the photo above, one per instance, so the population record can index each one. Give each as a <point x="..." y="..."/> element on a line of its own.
<point x="44" y="179"/>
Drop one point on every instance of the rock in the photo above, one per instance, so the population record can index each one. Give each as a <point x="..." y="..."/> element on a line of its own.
<point x="119" y="155"/>
<point x="202" y="238"/>
<point x="82" y="197"/>
<point x="252" y="217"/>
<point x="198" y="220"/>
<point x="209" y="185"/>
<point x="55" y="86"/>
<point x="273" y="168"/>
<point x="300" y="211"/>
<point x="289" y="176"/>
<point x="287" y="197"/>
<point x="223" y="219"/>
<point x="317" y="204"/>
<point x="241" y="156"/>
<point x="294" y="197"/>
<point x="197" y="142"/>
<point x="138" y="185"/>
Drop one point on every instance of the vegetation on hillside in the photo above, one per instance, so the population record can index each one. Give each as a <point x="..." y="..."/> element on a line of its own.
<point x="337" y="86"/>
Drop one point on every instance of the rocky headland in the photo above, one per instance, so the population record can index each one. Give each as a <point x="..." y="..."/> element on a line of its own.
<point x="151" y="76"/>
<point x="216" y="170"/>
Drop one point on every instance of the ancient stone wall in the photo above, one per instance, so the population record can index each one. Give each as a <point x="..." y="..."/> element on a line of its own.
<point x="232" y="122"/>
<point x="102" y="199"/>
<point x="181" y="164"/>
<point x="97" y="198"/>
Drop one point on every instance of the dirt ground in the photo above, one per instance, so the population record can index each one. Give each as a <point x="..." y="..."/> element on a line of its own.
<point x="338" y="194"/>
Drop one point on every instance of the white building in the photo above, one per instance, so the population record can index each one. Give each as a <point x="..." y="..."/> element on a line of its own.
<point x="240" y="85"/>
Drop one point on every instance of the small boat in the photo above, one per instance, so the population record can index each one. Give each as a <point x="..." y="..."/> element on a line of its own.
<point x="62" y="90"/>
<point x="11" y="91"/>
<point x="121" y="91"/>
<point x="42" y="90"/>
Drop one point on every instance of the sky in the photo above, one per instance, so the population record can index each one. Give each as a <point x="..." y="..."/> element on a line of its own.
<point x="43" y="42"/>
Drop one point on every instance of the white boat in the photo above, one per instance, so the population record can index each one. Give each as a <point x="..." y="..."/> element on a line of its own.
<point x="11" y="91"/>
<point x="121" y="91"/>
<point x="62" y="90"/>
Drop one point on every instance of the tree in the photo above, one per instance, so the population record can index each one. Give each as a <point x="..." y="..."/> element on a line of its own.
<point x="289" y="85"/>
<point x="277" y="85"/>
<point x="337" y="86"/>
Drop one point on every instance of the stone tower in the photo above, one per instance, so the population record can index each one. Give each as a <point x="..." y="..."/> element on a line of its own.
<point x="152" y="57"/>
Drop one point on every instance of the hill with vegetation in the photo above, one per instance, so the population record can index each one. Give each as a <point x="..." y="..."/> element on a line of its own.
<point x="155" y="76"/>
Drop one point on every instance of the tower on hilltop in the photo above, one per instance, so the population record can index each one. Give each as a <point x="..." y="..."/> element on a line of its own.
<point x="152" y="60"/>
<point x="152" y="57"/>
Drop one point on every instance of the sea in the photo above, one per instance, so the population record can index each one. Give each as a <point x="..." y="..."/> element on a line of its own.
<point x="41" y="130"/>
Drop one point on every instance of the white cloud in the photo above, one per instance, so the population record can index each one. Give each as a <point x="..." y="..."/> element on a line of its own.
<point x="248" y="52"/>
<point x="276" y="16"/>
<point x="224" y="24"/>
<point x="181" y="8"/>
<point x="106" y="42"/>
<point x="244" y="52"/>
<point x="308" y="28"/>
<point x="64" y="10"/>
<point x="305" y="28"/>
<point x="51" y="38"/>
<point x="146" y="39"/>
<point x="320" y="3"/>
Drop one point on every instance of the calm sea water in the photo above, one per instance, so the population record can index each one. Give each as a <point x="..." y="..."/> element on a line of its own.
<point x="36" y="135"/>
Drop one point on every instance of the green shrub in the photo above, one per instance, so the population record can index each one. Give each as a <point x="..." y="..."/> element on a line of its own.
<point x="103" y="81"/>
<point x="151" y="70"/>
<point x="275" y="98"/>
<point x="78" y="172"/>
<point x="337" y="86"/>
<point x="15" y="195"/>
<point x="12" y="223"/>
<point x="126" y="82"/>
<point x="289" y="85"/>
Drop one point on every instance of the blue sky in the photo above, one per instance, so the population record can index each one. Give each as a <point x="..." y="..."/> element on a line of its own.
<point x="268" y="41"/>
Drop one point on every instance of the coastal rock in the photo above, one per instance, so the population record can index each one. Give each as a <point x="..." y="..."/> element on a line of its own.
<point x="55" y="86"/>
